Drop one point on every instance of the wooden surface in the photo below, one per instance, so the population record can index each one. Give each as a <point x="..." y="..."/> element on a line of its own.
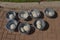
<point x="52" y="33"/>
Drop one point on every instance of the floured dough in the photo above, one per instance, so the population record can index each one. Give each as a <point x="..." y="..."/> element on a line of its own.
<point x="22" y="29"/>
<point x="27" y="28"/>
<point x="12" y="26"/>
<point x="35" y="13"/>
<point x="11" y="16"/>
<point x="51" y="13"/>
<point x="25" y="14"/>
<point x="38" y="24"/>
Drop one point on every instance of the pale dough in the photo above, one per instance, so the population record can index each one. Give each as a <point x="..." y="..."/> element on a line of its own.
<point x="12" y="26"/>
<point x="38" y="24"/>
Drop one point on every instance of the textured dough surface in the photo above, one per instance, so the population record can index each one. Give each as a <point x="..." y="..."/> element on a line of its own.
<point x="12" y="26"/>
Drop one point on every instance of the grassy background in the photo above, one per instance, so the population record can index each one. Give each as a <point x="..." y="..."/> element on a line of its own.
<point x="52" y="0"/>
<point x="20" y="0"/>
<point x="26" y="0"/>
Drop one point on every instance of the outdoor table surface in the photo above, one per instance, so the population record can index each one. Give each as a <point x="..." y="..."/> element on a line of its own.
<point x="52" y="33"/>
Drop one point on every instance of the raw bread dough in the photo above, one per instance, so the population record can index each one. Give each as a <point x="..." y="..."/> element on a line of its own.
<point x="38" y="24"/>
<point x="27" y="28"/>
<point x="12" y="26"/>
<point x="11" y="16"/>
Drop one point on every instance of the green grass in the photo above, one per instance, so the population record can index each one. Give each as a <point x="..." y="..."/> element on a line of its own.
<point x="52" y="0"/>
<point x="20" y="0"/>
<point x="25" y="0"/>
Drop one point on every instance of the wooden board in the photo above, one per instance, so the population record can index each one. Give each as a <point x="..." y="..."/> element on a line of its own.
<point x="52" y="33"/>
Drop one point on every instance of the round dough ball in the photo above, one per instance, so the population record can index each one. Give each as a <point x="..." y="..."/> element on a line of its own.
<point x="11" y="16"/>
<point x="24" y="14"/>
<point x="22" y="29"/>
<point x="38" y="23"/>
<point x="26" y="28"/>
<point x="12" y="26"/>
<point x="35" y="13"/>
<point x="50" y="12"/>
